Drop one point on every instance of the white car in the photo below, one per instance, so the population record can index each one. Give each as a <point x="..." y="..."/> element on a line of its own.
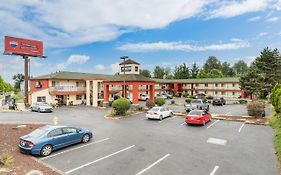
<point x="159" y="113"/>
<point x="41" y="107"/>
<point x="144" y="97"/>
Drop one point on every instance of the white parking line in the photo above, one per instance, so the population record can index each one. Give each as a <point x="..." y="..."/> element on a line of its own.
<point x="214" y="170"/>
<point x="227" y="113"/>
<point x="213" y="124"/>
<point x="53" y="155"/>
<point x="100" y="159"/>
<point x="166" y="119"/>
<point x="217" y="141"/>
<point x="241" y="127"/>
<point x="183" y="123"/>
<point x="150" y="166"/>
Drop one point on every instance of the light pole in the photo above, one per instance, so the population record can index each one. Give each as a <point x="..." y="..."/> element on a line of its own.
<point x="124" y="82"/>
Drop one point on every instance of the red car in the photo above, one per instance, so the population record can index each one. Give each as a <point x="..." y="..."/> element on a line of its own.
<point x="198" y="117"/>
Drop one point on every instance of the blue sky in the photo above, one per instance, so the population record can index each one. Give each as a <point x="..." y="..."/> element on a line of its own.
<point x="91" y="36"/>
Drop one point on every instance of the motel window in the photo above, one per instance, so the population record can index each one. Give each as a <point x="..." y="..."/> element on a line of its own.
<point x="53" y="83"/>
<point x="222" y="85"/>
<point x="216" y="85"/>
<point x="233" y="93"/>
<point x="77" y="84"/>
<point x="197" y="84"/>
<point x="206" y="84"/>
<point x="216" y="93"/>
<point x="136" y="69"/>
<point x="127" y="69"/>
<point x="222" y="93"/>
<point x="41" y="99"/>
<point x="78" y="97"/>
<point x="205" y="92"/>
<point x="233" y="85"/>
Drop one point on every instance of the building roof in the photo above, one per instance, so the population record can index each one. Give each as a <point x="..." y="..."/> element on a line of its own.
<point x="129" y="77"/>
<point x="129" y="61"/>
<point x="72" y="75"/>
<point x="200" y="80"/>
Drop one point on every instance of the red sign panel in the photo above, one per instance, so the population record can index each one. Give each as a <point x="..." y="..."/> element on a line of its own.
<point x="18" y="46"/>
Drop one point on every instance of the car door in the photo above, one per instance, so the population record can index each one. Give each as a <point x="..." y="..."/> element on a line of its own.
<point x="72" y="136"/>
<point x="57" y="138"/>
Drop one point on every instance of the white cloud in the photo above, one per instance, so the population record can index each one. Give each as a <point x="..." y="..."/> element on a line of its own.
<point x="272" y="19"/>
<point x="73" y="59"/>
<point x="278" y="5"/>
<point x="255" y="18"/>
<point x="263" y="34"/>
<point x="182" y="46"/>
<point x="234" y="8"/>
<point x="100" y="67"/>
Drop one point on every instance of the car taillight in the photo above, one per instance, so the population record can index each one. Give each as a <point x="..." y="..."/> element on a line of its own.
<point x="30" y="144"/>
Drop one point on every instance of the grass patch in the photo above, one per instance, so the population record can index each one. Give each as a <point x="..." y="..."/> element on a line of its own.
<point x="275" y="123"/>
<point x="6" y="160"/>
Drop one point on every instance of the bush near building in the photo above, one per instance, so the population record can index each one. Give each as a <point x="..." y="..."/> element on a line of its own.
<point x="121" y="106"/>
<point x="256" y="108"/>
<point x="243" y="101"/>
<point x="160" y="101"/>
<point x="188" y="100"/>
<point x="149" y="104"/>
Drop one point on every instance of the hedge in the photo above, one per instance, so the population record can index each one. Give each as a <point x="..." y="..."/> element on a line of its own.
<point x="121" y="106"/>
<point x="160" y="101"/>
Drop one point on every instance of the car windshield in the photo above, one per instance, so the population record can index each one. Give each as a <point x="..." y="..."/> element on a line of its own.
<point x="196" y="101"/>
<point x="43" y="104"/>
<point x="37" y="133"/>
<point x="154" y="109"/>
<point x="195" y="112"/>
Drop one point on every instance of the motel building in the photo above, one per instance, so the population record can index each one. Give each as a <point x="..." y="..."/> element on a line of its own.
<point x="75" y="88"/>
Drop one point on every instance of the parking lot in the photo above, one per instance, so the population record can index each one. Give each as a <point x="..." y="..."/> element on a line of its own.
<point x="136" y="145"/>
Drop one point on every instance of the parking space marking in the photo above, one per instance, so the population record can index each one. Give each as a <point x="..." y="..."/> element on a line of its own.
<point x="241" y="127"/>
<point x="166" y="119"/>
<point x="53" y="155"/>
<point x="150" y="166"/>
<point x="100" y="159"/>
<point x="217" y="141"/>
<point x="183" y="123"/>
<point x="213" y="124"/>
<point x="214" y="170"/>
<point x="228" y="113"/>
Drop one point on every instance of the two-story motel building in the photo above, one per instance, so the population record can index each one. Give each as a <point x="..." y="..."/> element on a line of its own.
<point x="75" y="88"/>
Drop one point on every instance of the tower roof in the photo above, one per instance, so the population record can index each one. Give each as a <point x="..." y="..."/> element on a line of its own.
<point x="129" y="61"/>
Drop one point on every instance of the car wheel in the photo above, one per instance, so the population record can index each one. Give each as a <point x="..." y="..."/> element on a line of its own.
<point x="204" y="123"/>
<point x="171" y="114"/>
<point x="85" y="138"/>
<point x="46" y="150"/>
<point x="161" y="117"/>
<point x="39" y="110"/>
<point x="31" y="109"/>
<point x="208" y="108"/>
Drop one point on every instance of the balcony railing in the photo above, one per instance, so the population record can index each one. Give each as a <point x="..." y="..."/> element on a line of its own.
<point x="66" y="89"/>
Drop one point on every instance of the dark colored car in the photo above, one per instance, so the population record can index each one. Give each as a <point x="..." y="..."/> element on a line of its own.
<point x="46" y="139"/>
<point x="219" y="101"/>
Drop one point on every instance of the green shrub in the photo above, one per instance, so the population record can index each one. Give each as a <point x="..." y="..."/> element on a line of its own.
<point x="101" y="103"/>
<point x="188" y="100"/>
<point x="173" y="102"/>
<point x="243" y="101"/>
<point x="276" y="98"/>
<point x="275" y="123"/>
<point x="140" y="108"/>
<point x="18" y="97"/>
<point x="121" y="106"/>
<point x="256" y="108"/>
<point x="149" y="104"/>
<point x="185" y="94"/>
<point x="6" y="159"/>
<point x="160" y="101"/>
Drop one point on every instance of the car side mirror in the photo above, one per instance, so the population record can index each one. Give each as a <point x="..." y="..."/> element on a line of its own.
<point x="78" y="130"/>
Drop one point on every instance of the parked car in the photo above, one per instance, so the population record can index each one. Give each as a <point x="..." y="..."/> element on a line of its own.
<point x="198" y="117"/>
<point x="46" y="139"/>
<point x="199" y="95"/>
<point x="166" y="96"/>
<point x="41" y="107"/>
<point x="130" y="99"/>
<point x="219" y="101"/>
<point x="144" y="97"/>
<point x="197" y="104"/>
<point x="159" y="113"/>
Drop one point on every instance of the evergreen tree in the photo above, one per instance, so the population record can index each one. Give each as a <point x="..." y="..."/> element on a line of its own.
<point x="240" y="67"/>
<point x="226" y="70"/>
<point x="145" y="73"/>
<point x="215" y="73"/>
<point x="202" y="74"/>
<point x="212" y="63"/>
<point x="194" y="70"/>
<point x="181" y="72"/>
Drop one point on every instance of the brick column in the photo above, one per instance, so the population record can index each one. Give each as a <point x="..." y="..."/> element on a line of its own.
<point x="175" y="88"/>
<point x="88" y="92"/>
<point x="106" y="95"/>
<point x="152" y="92"/>
<point x="135" y="94"/>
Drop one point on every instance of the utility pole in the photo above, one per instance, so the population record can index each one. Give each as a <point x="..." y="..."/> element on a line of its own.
<point x="26" y="78"/>
<point x="124" y="81"/>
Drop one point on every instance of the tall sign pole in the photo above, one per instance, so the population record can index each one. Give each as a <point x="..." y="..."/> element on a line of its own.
<point x="26" y="78"/>
<point x="25" y="48"/>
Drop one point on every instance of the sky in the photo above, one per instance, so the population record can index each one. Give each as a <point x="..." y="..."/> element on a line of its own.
<point x="91" y="35"/>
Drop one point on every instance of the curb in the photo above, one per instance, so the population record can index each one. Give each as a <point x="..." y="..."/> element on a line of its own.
<point x="118" y="118"/>
<point x="48" y="166"/>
